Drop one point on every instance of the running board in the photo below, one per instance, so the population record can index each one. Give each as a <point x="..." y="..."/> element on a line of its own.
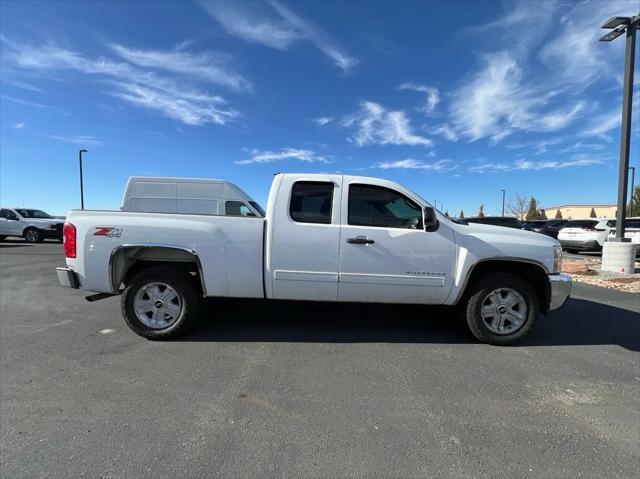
<point x="98" y="296"/>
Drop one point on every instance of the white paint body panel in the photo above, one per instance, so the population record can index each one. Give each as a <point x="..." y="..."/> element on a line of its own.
<point x="306" y="261"/>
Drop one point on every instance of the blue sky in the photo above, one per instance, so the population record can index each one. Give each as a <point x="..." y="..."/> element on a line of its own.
<point x="455" y="100"/>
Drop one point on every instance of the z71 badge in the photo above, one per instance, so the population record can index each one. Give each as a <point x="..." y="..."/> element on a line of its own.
<point x="108" y="231"/>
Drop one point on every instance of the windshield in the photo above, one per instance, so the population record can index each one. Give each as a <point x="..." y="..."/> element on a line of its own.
<point x="258" y="208"/>
<point x="33" y="213"/>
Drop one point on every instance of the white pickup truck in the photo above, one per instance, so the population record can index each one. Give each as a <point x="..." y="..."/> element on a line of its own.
<point x="324" y="238"/>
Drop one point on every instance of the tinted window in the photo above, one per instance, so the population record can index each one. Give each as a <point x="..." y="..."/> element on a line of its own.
<point x="612" y="223"/>
<point x="382" y="207"/>
<point x="311" y="202"/>
<point x="632" y="224"/>
<point x="25" y="213"/>
<point x="580" y="224"/>
<point x="237" y="208"/>
<point x="8" y="214"/>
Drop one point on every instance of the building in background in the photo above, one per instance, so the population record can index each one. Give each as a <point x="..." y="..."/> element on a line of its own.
<point x="580" y="212"/>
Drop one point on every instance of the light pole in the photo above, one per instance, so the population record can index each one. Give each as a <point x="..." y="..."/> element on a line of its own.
<point x="618" y="26"/>
<point x="503" y="192"/>
<point x="633" y="177"/>
<point x="81" y="185"/>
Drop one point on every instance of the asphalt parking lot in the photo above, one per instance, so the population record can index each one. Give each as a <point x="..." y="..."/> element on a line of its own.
<point x="263" y="390"/>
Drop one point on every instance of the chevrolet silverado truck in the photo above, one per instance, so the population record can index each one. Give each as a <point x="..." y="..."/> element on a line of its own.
<point x="324" y="238"/>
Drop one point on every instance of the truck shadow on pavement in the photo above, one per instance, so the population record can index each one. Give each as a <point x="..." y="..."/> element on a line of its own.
<point x="580" y="322"/>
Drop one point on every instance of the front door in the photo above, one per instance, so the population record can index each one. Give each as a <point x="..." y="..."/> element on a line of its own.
<point x="385" y="253"/>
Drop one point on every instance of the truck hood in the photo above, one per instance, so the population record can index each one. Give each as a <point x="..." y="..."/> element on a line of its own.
<point x="487" y="241"/>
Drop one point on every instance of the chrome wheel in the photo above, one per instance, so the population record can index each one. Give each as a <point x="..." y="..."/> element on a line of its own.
<point x="504" y="311"/>
<point x="32" y="236"/>
<point x="157" y="305"/>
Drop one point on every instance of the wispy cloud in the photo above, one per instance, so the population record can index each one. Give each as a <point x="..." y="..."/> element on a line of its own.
<point x="601" y="125"/>
<point x="209" y="67"/>
<point x="495" y="101"/>
<point x="432" y="95"/>
<point x="445" y="130"/>
<point x="528" y="165"/>
<point x="274" y="25"/>
<point x="138" y="80"/>
<point x="322" y="120"/>
<point x="82" y="140"/>
<point x="267" y="156"/>
<point x="413" y="164"/>
<point x="373" y="124"/>
<point x="18" y="126"/>
<point x="21" y="101"/>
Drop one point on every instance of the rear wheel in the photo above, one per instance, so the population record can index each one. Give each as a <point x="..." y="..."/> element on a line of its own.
<point x="160" y="303"/>
<point x="501" y="309"/>
<point x="33" y="235"/>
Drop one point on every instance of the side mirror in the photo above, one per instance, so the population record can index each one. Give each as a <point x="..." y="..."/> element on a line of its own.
<point x="431" y="222"/>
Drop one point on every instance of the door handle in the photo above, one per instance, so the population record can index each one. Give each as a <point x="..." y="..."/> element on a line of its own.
<point x="360" y="240"/>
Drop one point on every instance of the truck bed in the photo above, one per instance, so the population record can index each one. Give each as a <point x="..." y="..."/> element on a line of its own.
<point x="228" y="250"/>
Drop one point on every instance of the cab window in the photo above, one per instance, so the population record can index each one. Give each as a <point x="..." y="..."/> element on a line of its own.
<point x="311" y="202"/>
<point x="8" y="214"/>
<point x="382" y="207"/>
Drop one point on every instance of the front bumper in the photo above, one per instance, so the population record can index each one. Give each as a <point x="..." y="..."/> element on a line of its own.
<point x="560" y="290"/>
<point x="67" y="277"/>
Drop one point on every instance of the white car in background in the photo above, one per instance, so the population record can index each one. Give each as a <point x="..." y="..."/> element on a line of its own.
<point x="631" y="230"/>
<point x="585" y="235"/>
<point x="31" y="224"/>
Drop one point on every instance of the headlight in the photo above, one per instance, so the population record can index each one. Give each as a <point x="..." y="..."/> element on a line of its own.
<point x="557" y="259"/>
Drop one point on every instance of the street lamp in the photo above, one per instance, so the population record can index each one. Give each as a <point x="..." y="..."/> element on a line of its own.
<point x="618" y="26"/>
<point x="503" y="192"/>
<point x="81" y="185"/>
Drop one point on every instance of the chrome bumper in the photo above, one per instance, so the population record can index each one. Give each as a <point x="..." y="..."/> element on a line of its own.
<point x="67" y="277"/>
<point x="560" y="290"/>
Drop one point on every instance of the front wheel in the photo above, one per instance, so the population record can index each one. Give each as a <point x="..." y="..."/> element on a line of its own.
<point x="501" y="309"/>
<point x="160" y="303"/>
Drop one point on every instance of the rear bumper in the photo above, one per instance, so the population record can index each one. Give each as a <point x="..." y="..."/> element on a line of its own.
<point x="67" y="277"/>
<point x="591" y="245"/>
<point x="560" y="290"/>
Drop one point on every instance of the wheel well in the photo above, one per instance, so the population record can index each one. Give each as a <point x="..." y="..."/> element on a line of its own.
<point x="127" y="261"/>
<point x="533" y="274"/>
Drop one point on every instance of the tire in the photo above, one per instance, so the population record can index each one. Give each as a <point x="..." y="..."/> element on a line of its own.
<point x="161" y="321"/>
<point x="33" y="235"/>
<point x="497" y="310"/>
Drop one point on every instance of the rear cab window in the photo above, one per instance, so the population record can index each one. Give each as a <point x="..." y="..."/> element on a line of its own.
<point x="311" y="202"/>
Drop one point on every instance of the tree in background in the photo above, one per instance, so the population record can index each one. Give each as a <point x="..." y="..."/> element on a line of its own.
<point x="481" y="212"/>
<point x="461" y="214"/>
<point x="634" y="204"/>
<point x="543" y="215"/>
<point x="533" y="213"/>
<point x="558" y="215"/>
<point x="593" y="213"/>
<point x="518" y="206"/>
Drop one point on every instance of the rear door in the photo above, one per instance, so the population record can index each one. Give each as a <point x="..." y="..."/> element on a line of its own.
<point x="302" y="260"/>
<point x="385" y="253"/>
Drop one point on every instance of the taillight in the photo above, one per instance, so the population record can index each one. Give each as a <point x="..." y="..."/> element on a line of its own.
<point x="69" y="239"/>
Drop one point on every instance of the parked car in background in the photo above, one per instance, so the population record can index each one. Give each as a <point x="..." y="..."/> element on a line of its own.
<point x="631" y="230"/>
<point x="506" y="221"/>
<point x="532" y="225"/>
<point x="585" y="235"/>
<point x="31" y="224"/>
<point x="551" y="227"/>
